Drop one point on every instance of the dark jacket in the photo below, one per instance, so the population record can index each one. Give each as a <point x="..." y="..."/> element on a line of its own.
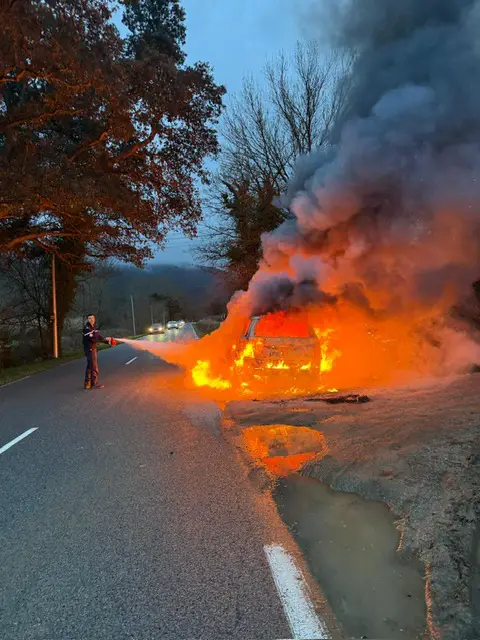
<point x="91" y="337"/>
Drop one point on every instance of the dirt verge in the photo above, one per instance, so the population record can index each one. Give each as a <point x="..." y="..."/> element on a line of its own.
<point x="417" y="450"/>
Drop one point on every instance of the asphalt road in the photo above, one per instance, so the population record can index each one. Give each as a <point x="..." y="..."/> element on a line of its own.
<point x="126" y="514"/>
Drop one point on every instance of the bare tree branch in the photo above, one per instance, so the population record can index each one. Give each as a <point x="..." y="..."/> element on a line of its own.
<point x="36" y="119"/>
<point x="135" y="147"/>
<point x="89" y="145"/>
<point x="265" y="130"/>
<point x="35" y="235"/>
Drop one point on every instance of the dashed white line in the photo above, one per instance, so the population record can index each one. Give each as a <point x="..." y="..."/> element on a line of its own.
<point x="132" y="360"/>
<point x="17" y="439"/>
<point x="293" y="591"/>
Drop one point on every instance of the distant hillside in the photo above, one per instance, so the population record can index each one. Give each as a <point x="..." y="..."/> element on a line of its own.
<point x="198" y="291"/>
<point x="190" y="283"/>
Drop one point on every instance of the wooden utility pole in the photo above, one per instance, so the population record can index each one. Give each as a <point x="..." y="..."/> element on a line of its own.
<point x="54" y="308"/>
<point x="133" y="316"/>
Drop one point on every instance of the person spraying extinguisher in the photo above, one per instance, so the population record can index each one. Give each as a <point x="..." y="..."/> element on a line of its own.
<point x="91" y="339"/>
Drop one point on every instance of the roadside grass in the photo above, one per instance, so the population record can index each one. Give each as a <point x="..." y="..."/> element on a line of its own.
<point x="15" y="373"/>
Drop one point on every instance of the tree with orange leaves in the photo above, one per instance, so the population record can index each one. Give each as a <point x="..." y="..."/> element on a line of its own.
<point x="102" y="137"/>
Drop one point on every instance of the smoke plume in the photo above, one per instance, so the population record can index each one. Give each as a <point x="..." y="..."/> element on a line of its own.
<point x="384" y="239"/>
<point x="388" y="216"/>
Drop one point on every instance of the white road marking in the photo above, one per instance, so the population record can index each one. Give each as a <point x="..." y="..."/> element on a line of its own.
<point x="293" y="591"/>
<point x="17" y="439"/>
<point x="195" y="334"/>
<point x="14" y="382"/>
<point x="132" y="360"/>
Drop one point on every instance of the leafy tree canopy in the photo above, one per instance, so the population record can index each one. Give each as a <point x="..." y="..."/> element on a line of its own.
<point x="102" y="137"/>
<point x="248" y="212"/>
<point x="156" y="25"/>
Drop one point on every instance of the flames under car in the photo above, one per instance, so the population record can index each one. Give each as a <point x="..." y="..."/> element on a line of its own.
<point x="278" y="351"/>
<point x="277" y="344"/>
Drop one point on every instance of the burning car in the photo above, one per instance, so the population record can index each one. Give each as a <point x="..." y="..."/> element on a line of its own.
<point x="279" y="352"/>
<point x="278" y="343"/>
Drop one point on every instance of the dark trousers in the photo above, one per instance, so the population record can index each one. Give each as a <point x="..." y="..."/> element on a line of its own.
<point x="91" y="373"/>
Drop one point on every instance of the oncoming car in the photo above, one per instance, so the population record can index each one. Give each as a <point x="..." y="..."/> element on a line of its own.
<point x="172" y="324"/>
<point x="278" y="344"/>
<point x="181" y="324"/>
<point x="157" y="327"/>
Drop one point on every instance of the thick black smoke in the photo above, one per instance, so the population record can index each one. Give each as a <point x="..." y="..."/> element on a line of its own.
<point x="280" y="293"/>
<point x="394" y="203"/>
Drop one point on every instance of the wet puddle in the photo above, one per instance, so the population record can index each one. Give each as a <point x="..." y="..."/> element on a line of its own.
<point x="350" y="545"/>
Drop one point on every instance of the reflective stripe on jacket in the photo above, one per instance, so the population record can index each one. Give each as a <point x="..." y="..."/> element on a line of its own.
<point x="91" y="337"/>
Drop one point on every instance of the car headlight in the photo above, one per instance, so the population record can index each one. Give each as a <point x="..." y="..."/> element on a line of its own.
<point x="150" y="329"/>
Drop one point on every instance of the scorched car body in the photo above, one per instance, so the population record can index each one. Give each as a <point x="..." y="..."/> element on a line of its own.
<point x="278" y="346"/>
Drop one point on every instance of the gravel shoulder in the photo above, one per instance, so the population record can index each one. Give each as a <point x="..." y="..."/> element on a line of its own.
<point x="416" y="449"/>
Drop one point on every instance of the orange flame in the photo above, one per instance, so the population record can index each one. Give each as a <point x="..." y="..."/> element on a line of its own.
<point x="277" y="365"/>
<point x="202" y="377"/>
<point x="328" y="357"/>
<point x="248" y="352"/>
<point x="249" y="368"/>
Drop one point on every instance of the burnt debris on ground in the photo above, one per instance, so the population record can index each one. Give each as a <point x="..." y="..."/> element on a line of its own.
<point x="351" y="398"/>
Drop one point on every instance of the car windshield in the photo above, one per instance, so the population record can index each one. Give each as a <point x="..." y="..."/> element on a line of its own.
<point x="281" y="325"/>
